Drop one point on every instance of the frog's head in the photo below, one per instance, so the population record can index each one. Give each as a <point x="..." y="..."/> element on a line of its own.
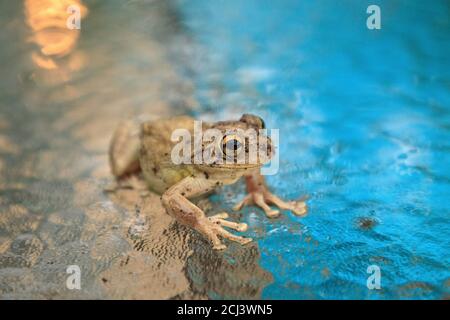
<point x="237" y="145"/>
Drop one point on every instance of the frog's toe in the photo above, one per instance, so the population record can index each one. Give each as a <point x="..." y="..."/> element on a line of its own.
<point x="227" y="235"/>
<point x="220" y="246"/>
<point x="260" y="201"/>
<point x="220" y="220"/>
<point x="272" y="213"/>
<point x="297" y="207"/>
<point x="241" y="227"/>
<point x="222" y="215"/>
<point x="217" y="229"/>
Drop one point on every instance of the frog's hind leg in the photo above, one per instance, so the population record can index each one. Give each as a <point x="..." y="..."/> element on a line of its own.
<point x="124" y="149"/>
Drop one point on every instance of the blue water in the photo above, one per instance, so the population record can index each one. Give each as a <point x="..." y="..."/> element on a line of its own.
<point x="364" y="119"/>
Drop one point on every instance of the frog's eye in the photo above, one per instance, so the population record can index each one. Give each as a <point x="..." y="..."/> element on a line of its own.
<point x="231" y="145"/>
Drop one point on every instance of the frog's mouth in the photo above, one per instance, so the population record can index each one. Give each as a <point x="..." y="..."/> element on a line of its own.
<point x="236" y="166"/>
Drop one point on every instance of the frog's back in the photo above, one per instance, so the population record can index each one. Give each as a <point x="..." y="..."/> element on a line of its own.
<point x="158" y="169"/>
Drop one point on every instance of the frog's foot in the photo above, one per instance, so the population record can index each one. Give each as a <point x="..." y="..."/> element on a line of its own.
<point x="220" y="219"/>
<point x="177" y="204"/>
<point x="262" y="198"/>
<point x="213" y="228"/>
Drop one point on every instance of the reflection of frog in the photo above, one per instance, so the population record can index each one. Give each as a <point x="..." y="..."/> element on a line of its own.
<point x="150" y="152"/>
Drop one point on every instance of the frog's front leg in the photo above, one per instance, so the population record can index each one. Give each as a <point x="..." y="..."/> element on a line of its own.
<point x="260" y="195"/>
<point x="176" y="202"/>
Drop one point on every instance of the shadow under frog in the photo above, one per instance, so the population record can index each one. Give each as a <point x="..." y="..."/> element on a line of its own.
<point x="172" y="261"/>
<point x="233" y="274"/>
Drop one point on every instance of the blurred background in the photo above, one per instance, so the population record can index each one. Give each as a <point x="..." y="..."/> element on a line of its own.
<point x="364" y="132"/>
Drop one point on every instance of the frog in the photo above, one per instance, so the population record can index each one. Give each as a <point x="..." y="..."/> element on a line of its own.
<point x="145" y="148"/>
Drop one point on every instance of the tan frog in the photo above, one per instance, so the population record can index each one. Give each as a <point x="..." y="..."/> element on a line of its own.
<point x="147" y="148"/>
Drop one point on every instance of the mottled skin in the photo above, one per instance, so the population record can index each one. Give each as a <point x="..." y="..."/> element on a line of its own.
<point x="148" y="149"/>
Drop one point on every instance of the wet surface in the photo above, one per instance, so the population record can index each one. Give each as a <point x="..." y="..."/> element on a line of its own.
<point x="364" y="132"/>
<point x="62" y="94"/>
